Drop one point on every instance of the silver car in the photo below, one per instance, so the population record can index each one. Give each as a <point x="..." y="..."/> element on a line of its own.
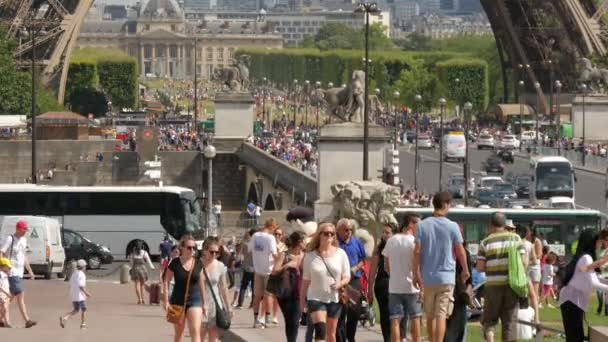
<point x="456" y="187"/>
<point x="485" y="141"/>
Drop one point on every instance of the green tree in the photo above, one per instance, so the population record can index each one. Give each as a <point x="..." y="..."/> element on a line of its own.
<point x="378" y="41"/>
<point x="415" y="42"/>
<point x="88" y="101"/>
<point x="418" y="80"/>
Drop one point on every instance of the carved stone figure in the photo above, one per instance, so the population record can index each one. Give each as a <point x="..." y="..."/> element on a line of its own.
<point x="236" y="76"/>
<point x="593" y="76"/>
<point x="371" y="204"/>
<point x="347" y="103"/>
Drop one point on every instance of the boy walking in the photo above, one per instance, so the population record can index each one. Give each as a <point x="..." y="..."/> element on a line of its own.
<point x="79" y="294"/>
<point x="5" y="294"/>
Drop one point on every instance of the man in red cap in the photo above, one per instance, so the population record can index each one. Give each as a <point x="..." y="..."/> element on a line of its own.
<point x="14" y="248"/>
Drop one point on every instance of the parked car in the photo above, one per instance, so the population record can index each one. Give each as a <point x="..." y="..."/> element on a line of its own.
<point x="529" y="136"/>
<point x="79" y="247"/>
<point x="509" y="141"/>
<point x="493" y="165"/>
<point x="425" y="141"/>
<point x="44" y="248"/>
<point x="485" y="141"/>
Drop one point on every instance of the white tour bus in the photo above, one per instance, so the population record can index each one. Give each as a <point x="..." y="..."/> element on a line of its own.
<point x="114" y="216"/>
<point x="551" y="177"/>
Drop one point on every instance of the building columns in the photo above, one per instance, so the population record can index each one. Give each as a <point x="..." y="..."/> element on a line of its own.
<point x="153" y="64"/>
<point x="142" y="62"/>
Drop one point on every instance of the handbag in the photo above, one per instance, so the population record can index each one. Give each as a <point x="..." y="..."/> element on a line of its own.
<point x="283" y="285"/>
<point x="177" y="313"/>
<point x="349" y="295"/>
<point x="222" y="317"/>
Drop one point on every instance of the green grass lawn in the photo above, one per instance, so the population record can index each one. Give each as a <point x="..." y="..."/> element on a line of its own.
<point x="549" y="316"/>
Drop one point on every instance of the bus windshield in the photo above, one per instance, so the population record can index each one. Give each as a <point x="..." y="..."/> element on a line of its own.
<point x="554" y="179"/>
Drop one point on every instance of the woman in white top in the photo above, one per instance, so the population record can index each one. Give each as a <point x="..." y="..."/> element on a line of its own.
<point x="325" y="271"/>
<point x="216" y="276"/>
<point x="578" y="287"/>
<point x="139" y="274"/>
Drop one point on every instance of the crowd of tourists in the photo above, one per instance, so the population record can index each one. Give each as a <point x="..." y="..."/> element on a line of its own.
<point x="419" y="269"/>
<point x="293" y="146"/>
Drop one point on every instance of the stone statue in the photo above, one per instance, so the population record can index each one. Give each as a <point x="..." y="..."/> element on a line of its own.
<point x="371" y="203"/>
<point x="347" y="103"/>
<point x="235" y="76"/>
<point x="593" y="76"/>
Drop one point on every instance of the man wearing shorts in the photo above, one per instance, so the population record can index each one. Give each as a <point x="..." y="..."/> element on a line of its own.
<point x="263" y="247"/>
<point x="438" y="243"/>
<point x="14" y="248"/>
<point x="403" y="297"/>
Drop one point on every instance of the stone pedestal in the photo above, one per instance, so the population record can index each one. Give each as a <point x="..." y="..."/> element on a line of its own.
<point x="596" y="117"/>
<point x="341" y="158"/>
<point x="234" y="112"/>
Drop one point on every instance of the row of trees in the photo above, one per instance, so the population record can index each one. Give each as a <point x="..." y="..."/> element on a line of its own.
<point x="99" y="76"/>
<point x="432" y="74"/>
<point x="15" y="85"/>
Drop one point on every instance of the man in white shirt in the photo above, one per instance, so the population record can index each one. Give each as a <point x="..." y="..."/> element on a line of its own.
<point x="263" y="247"/>
<point x="403" y="296"/>
<point x="14" y="248"/>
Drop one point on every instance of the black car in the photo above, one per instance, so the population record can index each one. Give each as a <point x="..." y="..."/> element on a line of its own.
<point x="493" y="165"/>
<point x="506" y="156"/>
<point x="522" y="186"/>
<point x="78" y="247"/>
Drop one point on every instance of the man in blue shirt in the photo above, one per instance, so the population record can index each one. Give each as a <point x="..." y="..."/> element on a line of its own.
<point x="347" y="325"/>
<point x="438" y="244"/>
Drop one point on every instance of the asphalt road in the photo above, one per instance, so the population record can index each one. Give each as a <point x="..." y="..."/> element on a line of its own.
<point x="589" y="186"/>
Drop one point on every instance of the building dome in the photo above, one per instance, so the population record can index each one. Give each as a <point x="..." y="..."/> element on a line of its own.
<point x="161" y="9"/>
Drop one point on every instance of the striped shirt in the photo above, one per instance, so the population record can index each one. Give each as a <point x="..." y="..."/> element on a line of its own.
<point x="494" y="251"/>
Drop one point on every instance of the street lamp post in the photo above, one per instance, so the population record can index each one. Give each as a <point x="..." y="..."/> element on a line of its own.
<point x="537" y="87"/>
<point x="418" y="100"/>
<point x="558" y="87"/>
<point x="467" y="113"/>
<point x="306" y="100"/>
<point x="521" y="110"/>
<point x="209" y="153"/>
<point x="318" y="86"/>
<point x="396" y="95"/>
<point x="197" y="126"/>
<point x="583" y="156"/>
<point x="34" y="134"/>
<point x="442" y="103"/>
<point x="367" y="8"/>
<point x="295" y="105"/>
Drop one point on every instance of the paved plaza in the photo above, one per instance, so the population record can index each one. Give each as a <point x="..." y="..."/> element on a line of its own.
<point x="114" y="316"/>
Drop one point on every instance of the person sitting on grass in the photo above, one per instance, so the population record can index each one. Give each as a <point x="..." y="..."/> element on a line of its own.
<point x="79" y="294"/>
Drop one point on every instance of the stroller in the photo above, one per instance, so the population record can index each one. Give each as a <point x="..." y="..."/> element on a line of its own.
<point x="366" y="314"/>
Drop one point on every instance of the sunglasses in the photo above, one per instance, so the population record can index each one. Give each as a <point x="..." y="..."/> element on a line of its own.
<point x="347" y="230"/>
<point x="328" y="234"/>
<point x="214" y="252"/>
<point x="190" y="247"/>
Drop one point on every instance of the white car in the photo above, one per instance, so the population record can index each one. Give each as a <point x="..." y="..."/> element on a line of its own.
<point x="486" y="183"/>
<point x="485" y="141"/>
<point x="509" y="141"/>
<point x="425" y="141"/>
<point x="529" y="136"/>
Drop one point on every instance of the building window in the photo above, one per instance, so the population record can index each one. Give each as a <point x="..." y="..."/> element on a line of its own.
<point x="230" y="53"/>
<point x="301" y="29"/>
<point x="307" y="23"/>
<point x="147" y="51"/>
<point x="146" y="27"/>
<point x="297" y="23"/>
<point x="285" y="23"/>
<point x="220" y="55"/>
<point x="291" y="29"/>
<point x="173" y="51"/>
<point x="209" y="55"/>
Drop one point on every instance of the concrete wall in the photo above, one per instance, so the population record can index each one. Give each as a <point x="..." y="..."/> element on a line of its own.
<point x="16" y="155"/>
<point x="281" y="174"/>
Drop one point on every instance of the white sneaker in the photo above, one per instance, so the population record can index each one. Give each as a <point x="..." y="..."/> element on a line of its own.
<point x="275" y="321"/>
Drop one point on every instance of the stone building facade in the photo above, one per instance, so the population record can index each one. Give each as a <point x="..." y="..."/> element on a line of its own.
<point x="164" y="42"/>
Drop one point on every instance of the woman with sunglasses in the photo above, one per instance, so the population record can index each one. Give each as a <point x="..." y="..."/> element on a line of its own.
<point x="216" y="273"/>
<point x="180" y="269"/>
<point x="291" y="261"/>
<point x="325" y="271"/>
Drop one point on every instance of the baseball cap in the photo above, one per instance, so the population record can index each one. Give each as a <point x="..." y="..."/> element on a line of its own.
<point x="21" y="225"/>
<point x="81" y="263"/>
<point x="4" y="262"/>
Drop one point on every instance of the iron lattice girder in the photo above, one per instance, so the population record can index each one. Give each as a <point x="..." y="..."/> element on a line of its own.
<point x="55" y="25"/>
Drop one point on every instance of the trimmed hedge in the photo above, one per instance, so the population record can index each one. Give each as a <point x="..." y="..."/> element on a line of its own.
<point x="473" y="82"/>
<point x="336" y="66"/>
<point x="109" y="70"/>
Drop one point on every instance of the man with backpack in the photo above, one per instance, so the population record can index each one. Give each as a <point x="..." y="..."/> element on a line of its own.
<point x="14" y="248"/>
<point x="501" y="298"/>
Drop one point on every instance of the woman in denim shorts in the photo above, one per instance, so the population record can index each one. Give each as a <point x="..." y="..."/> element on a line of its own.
<point x="325" y="271"/>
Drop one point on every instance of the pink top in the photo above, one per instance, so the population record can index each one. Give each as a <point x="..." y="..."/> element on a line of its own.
<point x="582" y="285"/>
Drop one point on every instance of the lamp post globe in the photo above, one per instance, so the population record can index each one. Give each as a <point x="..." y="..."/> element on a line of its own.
<point x="209" y="152"/>
<point x="330" y="85"/>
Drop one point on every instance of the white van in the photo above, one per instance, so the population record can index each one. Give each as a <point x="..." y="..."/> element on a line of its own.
<point x="455" y="146"/>
<point x="45" y="251"/>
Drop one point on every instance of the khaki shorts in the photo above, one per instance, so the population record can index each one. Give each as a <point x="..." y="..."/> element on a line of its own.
<point x="438" y="301"/>
<point x="259" y="284"/>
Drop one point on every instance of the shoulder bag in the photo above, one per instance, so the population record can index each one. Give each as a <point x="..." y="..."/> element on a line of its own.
<point x="176" y="314"/>
<point x="349" y="295"/>
<point x="222" y="317"/>
<point x="283" y="285"/>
